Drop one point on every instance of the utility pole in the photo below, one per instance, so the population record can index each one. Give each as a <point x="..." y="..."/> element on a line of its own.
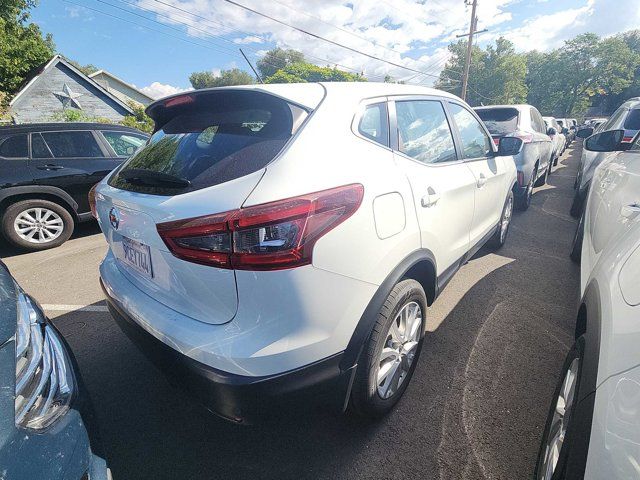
<point x="473" y="24"/>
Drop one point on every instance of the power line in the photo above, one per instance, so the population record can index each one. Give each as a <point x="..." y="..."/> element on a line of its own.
<point x="430" y="66"/>
<point x="224" y="39"/>
<point x="219" y="48"/>
<point x="320" y="37"/>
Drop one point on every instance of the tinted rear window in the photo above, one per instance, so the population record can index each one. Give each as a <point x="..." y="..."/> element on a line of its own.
<point x="221" y="137"/>
<point x="633" y="120"/>
<point x="500" y="121"/>
<point x="15" y="146"/>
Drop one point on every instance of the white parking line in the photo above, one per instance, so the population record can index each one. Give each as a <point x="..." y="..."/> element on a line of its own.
<point x="75" y="308"/>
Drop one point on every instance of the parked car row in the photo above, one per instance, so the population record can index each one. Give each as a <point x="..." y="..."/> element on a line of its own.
<point x="592" y="427"/>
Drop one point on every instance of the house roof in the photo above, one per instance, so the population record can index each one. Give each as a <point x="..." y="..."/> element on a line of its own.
<point x="38" y="71"/>
<point x="119" y="80"/>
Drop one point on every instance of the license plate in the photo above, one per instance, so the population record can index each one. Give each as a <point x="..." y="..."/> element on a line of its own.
<point x="137" y="255"/>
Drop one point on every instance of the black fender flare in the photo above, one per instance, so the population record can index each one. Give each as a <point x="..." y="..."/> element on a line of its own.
<point x="46" y="189"/>
<point x="368" y="318"/>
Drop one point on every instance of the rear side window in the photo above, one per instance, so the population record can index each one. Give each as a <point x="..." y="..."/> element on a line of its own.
<point x="217" y="138"/>
<point x="475" y="142"/>
<point x="500" y="121"/>
<point x="374" y="124"/>
<point x="632" y="121"/>
<point x="424" y="132"/>
<point x="39" y="149"/>
<point x="124" y="143"/>
<point x="15" y="146"/>
<point x="72" y="144"/>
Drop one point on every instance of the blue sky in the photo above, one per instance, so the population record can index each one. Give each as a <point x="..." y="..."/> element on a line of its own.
<point x="156" y="44"/>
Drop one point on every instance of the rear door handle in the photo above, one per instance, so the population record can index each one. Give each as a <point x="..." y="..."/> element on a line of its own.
<point x="49" y="166"/>
<point x="630" y="210"/>
<point x="430" y="199"/>
<point x="481" y="180"/>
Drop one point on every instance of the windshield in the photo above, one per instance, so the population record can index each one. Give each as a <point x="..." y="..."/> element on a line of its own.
<point x="214" y="142"/>
<point x="499" y="121"/>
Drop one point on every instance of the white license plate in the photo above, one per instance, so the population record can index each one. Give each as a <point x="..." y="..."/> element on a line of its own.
<point x="137" y="255"/>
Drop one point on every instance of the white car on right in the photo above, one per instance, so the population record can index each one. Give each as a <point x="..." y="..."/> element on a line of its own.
<point x="593" y="426"/>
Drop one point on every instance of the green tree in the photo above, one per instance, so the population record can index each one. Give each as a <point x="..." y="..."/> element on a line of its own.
<point x="308" y="72"/>
<point x="496" y="74"/>
<point x="235" y="76"/>
<point x="277" y="59"/>
<point x="139" y="119"/>
<point x="22" y="46"/>
<point x="87" y="69"/>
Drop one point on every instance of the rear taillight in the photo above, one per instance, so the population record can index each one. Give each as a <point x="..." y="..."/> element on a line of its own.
<point x="627" y="139"/>
<point x="92" y="201"/>
<point x="521" y="179"/>
<point x="525" y="137"/>
<point x="270" y="236"/>
<point x="496" y="141"/>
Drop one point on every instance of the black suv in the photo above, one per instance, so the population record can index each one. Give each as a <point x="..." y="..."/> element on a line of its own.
<point x="46" y="172"/>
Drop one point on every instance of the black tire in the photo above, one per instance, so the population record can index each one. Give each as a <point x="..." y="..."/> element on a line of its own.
<point x="576" y="246"/>
<point x="543" y="179"/>
<point x="524" y="201"/>
<point x="13" y="211"/>
<point x="577" y="205"/>
<point x="576" y="352"/>
<point x="498" y="240"/>
<point x="365" y="398"/>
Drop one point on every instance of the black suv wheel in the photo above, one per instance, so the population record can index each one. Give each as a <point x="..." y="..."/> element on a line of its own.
<point x="37" y="224"/>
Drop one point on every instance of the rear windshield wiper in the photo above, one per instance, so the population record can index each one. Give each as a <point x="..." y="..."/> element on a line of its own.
<point x="150" y="178"/>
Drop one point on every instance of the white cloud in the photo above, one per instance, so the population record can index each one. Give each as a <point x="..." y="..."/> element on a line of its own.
<point x="395" y="30"/>
<point x="411" y="33"/>
<point x="248" y="39"/>
<point x="158" y="90"/>
<point x="545" y="32"/>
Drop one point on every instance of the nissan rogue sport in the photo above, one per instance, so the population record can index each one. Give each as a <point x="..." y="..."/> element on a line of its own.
<point x="279" y="242"/>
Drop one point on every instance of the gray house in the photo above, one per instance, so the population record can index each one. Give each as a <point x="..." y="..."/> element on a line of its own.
<point x="121" y="89"/>
<point x="58" y="86"/>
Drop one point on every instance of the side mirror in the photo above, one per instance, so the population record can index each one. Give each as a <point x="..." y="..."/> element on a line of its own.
<point x="609" y="141"/>
<point x="551" y="131"/>
<point x="565" y="130"/>
<point x="584" y="132"/>
<point x="509" y="146"/>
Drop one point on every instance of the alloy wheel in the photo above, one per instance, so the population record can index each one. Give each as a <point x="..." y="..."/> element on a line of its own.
<point x="399" y="349"/>
<point x="559" y="424"/>
<point x="38" y="225"/>
<point x="506" y="219"/>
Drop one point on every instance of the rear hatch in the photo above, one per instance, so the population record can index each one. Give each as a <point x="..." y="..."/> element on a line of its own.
<point x="499" y="121"/>
<point x="208" y="153"/>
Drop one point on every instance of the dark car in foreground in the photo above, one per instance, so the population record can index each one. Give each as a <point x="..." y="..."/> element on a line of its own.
<point x="535" y="159"/>
<point x="44" y="412"/>
<point x="46" y="172"/>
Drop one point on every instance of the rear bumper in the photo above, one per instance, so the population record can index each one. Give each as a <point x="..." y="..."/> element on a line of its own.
<point x="239" y="398"/>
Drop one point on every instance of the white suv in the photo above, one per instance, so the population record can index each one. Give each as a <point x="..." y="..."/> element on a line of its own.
<point x="275" y="241"/>
<point x="593" y="426"/>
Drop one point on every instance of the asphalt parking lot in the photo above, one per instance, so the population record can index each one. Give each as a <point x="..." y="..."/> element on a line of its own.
<point x="475" y="408"/>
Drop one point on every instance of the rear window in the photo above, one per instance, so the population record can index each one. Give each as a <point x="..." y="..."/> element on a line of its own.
<point x="500" y="121"/>
<point x="220" y="137"/>
<point x="633" y="120"/>
<point x="15" y="146"/>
